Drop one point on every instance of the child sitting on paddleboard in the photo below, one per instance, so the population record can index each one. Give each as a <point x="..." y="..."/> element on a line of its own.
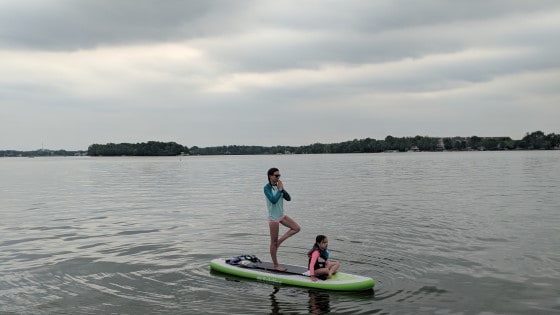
<point x="319" y="264"/>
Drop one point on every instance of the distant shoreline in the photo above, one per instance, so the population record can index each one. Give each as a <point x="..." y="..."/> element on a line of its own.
<point x="27" y="154"/>
<point x="532" y="141"/>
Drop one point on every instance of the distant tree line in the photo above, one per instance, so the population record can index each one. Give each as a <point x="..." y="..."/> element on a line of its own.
<point x="40" y="152"/>
<point x="531" y="141"/>
<point x="151" y="148"/>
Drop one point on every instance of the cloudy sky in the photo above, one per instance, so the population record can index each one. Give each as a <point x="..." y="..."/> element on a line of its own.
<point x="211" y="73"/>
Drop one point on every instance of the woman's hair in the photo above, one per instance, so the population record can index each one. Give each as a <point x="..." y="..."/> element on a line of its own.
<point x="319" y="239"/>
<point x="271" y="172"/>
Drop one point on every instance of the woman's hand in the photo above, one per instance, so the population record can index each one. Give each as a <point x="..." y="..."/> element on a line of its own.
<point x="313" y="278"/>
<point x="280" y="185"/>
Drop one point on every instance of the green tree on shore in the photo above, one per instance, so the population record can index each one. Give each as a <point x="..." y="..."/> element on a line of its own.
<point x="151" y="148"/>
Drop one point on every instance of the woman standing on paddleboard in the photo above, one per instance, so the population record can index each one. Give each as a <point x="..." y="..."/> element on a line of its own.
<point x="275" y="194"/>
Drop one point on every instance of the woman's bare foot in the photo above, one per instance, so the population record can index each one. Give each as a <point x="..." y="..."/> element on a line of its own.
<point x="279" y="268"/>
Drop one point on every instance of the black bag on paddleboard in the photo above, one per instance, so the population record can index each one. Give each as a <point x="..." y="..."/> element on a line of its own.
<point x="237" y="260"/>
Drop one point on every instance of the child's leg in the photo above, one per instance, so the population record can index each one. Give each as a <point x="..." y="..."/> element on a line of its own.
<point x="321" y="271"/>
<point x="333" y="267"/>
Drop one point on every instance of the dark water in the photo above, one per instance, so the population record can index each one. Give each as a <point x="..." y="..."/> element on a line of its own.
<point x="441" y="233"/>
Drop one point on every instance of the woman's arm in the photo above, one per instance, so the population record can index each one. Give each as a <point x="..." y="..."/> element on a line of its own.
<point x="286" y="195"/>
<point x="273" y="197"/>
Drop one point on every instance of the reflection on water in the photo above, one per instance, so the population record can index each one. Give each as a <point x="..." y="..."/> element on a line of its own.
<point x="274" y="305"/>
<point x="469" y="232"/>
<point x="319" y="302"/>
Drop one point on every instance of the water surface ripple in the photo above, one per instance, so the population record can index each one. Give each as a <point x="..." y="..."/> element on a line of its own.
<point x="442" y="233"/>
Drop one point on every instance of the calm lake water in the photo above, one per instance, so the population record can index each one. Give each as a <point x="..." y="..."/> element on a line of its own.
<point x="441" y="233"/>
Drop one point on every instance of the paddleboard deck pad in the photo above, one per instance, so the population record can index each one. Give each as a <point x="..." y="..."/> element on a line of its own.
<point x="249" y="266"/>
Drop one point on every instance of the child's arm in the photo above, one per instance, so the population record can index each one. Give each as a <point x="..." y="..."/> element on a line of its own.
<point x="314" y="258"/>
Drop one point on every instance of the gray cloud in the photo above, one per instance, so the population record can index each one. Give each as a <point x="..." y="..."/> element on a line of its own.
<point x="274" y="72"/>
<point x="70" y="25"/>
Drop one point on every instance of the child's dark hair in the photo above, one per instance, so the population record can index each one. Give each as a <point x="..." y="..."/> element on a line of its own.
<point x="323" y="253"/>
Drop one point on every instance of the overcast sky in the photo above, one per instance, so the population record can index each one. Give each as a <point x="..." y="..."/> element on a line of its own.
<point x="211" y="73"/>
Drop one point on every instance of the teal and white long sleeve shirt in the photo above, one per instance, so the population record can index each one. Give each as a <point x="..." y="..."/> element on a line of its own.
<point x="274" y="201"/>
